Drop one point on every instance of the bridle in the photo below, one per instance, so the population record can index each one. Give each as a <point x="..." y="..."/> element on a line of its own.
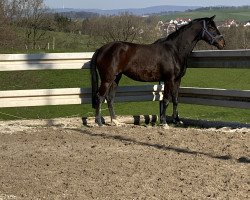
<point x="213" y="38"/>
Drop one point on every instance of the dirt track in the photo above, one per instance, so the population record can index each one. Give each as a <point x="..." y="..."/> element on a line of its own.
<point x="70" y="161"/>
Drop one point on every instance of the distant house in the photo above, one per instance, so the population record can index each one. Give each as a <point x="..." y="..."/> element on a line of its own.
<point x="166" y="27"/>
<point x="182" y="21"/>
<point x="172" y="25"/>
<point x="229" y="23"/>
<point x="247" y="24"/>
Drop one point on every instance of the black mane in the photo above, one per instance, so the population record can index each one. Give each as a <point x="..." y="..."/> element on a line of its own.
<point x="173" y="35"/>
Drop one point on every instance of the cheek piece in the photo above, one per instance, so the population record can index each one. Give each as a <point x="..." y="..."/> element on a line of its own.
<point x="212" y="37"/>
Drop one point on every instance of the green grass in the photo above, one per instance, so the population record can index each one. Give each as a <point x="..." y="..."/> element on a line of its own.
<point x="46" y="79"/>
<point x="208" y="78"/>
<point x="63" y="42"/>
<point x="132" y="108"/>
<point x="237" y="79"/>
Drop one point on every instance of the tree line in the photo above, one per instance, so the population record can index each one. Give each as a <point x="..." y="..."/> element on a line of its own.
<point x="29" y="24"/>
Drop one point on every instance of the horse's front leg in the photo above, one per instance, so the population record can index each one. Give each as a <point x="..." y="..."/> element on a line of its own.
<point x="110" y="101"/>
<point x="163" y="108"/>
<point x="164" y="104"/>
<point x="175" y="97"/>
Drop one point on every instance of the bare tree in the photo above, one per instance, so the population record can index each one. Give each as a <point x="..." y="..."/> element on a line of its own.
<point x="7" y="34"/>
<point x="245" y="37"/>
<point x="125" y="27"/>
<point x="34" y="20"/>
<point x="32" y="16"/>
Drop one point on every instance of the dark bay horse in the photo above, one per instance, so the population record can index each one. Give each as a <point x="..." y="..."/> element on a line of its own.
<point x="165" y="60"/>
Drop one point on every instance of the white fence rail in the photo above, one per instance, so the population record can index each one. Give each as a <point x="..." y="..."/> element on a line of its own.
<point x="21" y="62"/>
<point x="63" y="96"/>
<point x="214" y="97"/>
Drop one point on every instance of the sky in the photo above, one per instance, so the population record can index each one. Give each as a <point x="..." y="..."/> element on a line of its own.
<point x="120" y="4"/>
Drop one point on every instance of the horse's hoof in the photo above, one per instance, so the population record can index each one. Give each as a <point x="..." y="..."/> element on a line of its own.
<point x="165" y="126"/>
<point x="99" y="122"/>
<point x="177" y="122"/>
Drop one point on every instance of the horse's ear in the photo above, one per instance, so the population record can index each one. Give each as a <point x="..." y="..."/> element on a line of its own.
<point x="212" y="18"/>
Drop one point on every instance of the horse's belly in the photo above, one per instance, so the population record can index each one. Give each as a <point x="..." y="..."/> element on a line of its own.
<point x="145" y="74"/>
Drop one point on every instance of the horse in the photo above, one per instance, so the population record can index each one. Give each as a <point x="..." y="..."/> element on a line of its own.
<point x="165" y="60"/>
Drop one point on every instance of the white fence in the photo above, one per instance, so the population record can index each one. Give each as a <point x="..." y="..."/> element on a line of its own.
<point x="64" y="96"/>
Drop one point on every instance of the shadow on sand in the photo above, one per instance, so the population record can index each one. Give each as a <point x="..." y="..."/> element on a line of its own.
<point x="127" y="140"/>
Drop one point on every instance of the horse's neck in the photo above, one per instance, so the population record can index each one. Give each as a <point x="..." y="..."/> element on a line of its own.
<point x="186" y="42"/>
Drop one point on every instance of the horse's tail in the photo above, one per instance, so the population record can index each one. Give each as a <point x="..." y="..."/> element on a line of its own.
<point x="94" y="79"/>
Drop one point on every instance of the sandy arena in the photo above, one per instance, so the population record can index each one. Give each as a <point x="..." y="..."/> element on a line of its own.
<point x="71" y="161"/>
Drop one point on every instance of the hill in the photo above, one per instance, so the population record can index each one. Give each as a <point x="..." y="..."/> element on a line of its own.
<point x="135" y="11"/>
<point x="167" y="12"/>
<point x="222" y="13"/>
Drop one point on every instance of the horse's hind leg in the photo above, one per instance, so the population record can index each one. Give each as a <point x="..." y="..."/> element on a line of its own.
<point x="98" y="117"/>
<point x="102" y="92"/>
<point x="110" y="99"/>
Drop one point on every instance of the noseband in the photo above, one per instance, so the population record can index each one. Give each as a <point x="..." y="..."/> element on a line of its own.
<point x="213" y="38"/>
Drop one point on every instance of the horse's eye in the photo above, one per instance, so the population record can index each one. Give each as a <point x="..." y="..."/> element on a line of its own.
<point x="210" y="27"/>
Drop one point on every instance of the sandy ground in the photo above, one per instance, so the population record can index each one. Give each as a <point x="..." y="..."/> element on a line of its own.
<point x="69" y="161"/>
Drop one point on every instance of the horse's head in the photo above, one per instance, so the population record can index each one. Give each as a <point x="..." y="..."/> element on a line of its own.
<point x="211" y="34"/>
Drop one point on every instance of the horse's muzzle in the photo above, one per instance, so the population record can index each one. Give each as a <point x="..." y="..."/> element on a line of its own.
<point x="220" y="43"/>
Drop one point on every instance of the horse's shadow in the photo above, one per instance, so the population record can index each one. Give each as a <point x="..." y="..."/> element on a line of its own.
<point x="127" y="140"/>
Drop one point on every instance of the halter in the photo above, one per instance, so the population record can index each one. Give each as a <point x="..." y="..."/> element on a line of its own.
<point x="213" y="38"/>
